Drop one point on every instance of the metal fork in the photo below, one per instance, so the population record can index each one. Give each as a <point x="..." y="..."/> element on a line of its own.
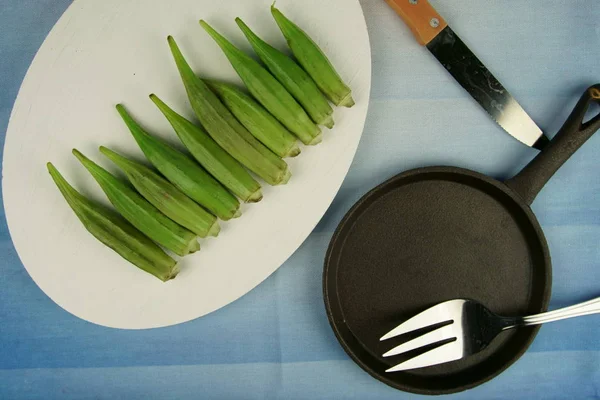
<point x="465" y="328"/>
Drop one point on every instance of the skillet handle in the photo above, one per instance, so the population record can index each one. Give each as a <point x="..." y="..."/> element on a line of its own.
<point x="574" y="133"/>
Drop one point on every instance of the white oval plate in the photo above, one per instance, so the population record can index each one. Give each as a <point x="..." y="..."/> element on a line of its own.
<point x="101" y="53"/>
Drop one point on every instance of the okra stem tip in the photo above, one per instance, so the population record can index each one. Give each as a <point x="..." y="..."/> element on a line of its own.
<point x="173" y="274"/>
<point x="316" y="140"/>
<point x="243" y="26"/>
<point x="78" y="154"/>
<point x="214" y="230"/>
<point x="111" y="155"/>
<point x="156" y="100"/>
<point x="329" y="122"/>
<point x="348" y="101"/>
<point x="286" y="178"/>
<point x="212" y="32"/>
<point x="294" y="152"/>
<point x="173" y="44"/>
<point x="54" y="173"/>
<point x="255" y="197"/>
<point x="205" y="25"/>
<point x="122" y="111"/>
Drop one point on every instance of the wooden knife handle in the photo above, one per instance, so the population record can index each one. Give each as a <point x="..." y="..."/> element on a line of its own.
<point x="421" y="17"/>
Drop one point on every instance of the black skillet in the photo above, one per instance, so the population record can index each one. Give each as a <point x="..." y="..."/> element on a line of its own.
<point x="435" y="234"/>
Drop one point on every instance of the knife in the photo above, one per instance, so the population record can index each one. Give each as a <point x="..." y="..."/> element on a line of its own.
<point x="432" y="31"/>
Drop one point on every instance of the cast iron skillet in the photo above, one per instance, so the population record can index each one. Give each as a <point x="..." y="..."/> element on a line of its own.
<point x="435" y="234"/>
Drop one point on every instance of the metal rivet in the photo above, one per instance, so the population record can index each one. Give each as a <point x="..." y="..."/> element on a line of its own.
<point x="413" y="2"/>
<point x="434" y="22"/>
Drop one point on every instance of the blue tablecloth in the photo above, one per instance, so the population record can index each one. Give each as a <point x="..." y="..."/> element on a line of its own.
<point x="275" y="342"/>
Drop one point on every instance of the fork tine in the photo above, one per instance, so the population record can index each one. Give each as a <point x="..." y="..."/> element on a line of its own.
<point x="438" y="335"/>
<point x="433" y="315"/>
<point x="443" y="354"/>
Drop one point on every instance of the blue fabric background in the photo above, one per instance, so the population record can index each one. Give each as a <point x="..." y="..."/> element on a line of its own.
<point x="276" y="342"/>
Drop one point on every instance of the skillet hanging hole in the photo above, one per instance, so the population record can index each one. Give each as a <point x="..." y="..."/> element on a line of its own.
<point x="592" y="114"/>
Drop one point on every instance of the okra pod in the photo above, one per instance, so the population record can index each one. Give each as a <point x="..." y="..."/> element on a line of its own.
<point x="292" y="77"/>
<point x="140" y="213"/>
<point x="167" y="198"/>
<point x="211" y="156"/>
<point x="314" y="61"/>
<point x="225" y="129"/>
<point x="256" y="119"/>
<point x="183" y="172"/>
<point x="116" y="233"/>
<point x="268" y="91"/>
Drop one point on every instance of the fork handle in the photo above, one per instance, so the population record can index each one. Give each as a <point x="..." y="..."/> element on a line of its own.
<point x="578" y="310"/>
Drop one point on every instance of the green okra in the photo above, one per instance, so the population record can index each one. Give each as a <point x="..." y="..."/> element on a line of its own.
<point x="225" y="129"/>
<point x="167" y="198"/>
<point x="183" y="172"/>
<point x="256" y="119"/>
<point x="140" y="213"/>
<point x="268" y="91"/>
<point x="314" y="61"/>
<point x="292" y="77"/>
<point x="211" y="156"/>
<point x="116" y="233"/>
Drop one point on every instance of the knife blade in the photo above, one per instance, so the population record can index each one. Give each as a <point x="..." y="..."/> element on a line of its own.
<point x="432" y="31"/>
